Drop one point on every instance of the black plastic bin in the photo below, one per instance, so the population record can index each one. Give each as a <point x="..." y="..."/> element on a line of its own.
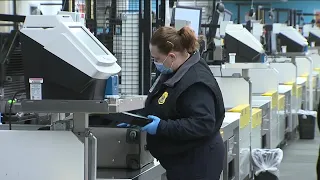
<point x="266" y="176"/>
<point x="307" y="125"/>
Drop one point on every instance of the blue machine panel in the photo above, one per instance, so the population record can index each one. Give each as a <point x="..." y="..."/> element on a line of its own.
<point x="112" y="89"/>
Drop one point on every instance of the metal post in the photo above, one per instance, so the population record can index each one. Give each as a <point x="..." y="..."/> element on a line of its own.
<point x="145" y="30"/>
<point x="15" y="13"/>
<point x="239" y="14"/>
<point x="93" y="156"/>
<point x="65" y="5"/>
<point x="141" y="58"/>
<point x="310" y="77"/>
<point x="294" y="18"/>
<point x="73" y="5"/>
<point x="95" y="16"/>
<point x="236" y="150"/>
<point x="245" y="75"/>
<point x="80" y="128"/>
<point x="158" y="15"/>
<point x="290" y="17"/>
<point x="88" y="9"/>
<point x="295" y="118"/>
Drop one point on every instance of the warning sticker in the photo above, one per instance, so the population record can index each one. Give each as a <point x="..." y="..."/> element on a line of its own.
<point x="36" y="88"/>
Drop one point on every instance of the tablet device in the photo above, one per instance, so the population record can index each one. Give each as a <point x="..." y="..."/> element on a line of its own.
<point x="129" y="118"/>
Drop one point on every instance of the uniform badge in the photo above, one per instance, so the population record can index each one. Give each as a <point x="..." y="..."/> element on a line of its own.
<point x="163" y="98"/>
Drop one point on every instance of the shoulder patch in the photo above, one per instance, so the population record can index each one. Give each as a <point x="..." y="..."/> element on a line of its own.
<point x="163" y="98"/>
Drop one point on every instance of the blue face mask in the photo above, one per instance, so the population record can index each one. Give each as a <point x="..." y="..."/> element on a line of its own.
<point x="163" y="69"/>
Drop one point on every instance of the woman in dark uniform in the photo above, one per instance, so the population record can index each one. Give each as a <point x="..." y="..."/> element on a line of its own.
<point x="186" y="108"/>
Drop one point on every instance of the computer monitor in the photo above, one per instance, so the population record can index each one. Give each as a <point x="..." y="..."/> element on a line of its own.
<point x="292" y="39"/>
<point x="189" y="14"/>
<point x="240" y="41"/>
<point x="314" y="36"/>
<point x="71" y="62"/>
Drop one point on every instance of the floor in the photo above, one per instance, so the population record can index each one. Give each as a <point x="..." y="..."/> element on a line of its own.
<point x="299" y="161"/>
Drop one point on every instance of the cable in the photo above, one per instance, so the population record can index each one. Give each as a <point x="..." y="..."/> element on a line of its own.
<point x="10" y="108"/>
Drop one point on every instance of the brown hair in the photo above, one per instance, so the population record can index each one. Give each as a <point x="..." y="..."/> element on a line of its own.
<point x="169" y="39"/>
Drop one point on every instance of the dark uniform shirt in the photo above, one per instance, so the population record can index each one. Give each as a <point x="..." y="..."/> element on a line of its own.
<point x="190" y="106"/>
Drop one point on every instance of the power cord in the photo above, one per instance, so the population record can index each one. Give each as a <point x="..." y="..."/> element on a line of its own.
<point x="10" y="108"/>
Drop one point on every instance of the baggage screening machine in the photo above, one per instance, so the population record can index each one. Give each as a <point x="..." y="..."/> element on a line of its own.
<point x="291" y="44"/>
<point x="289" y="56"/>
<point x="66" y="69"/>
<point x="288" y="88"/>
<point x="237" y="72"/>
<point x="312" y="34"/>
<point x="263" y="95"/>
<point x="236" y="101"/>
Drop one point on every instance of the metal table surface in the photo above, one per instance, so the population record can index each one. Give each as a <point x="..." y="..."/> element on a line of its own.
<point x="152" y="171"/>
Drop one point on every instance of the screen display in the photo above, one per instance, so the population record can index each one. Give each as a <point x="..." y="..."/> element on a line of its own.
<point x="191" y="15"/>
<point x="86" y="39"/>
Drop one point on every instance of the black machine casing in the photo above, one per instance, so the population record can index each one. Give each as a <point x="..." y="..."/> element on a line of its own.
<point x="60" y="79"/>
<point x="292" y="46"/>
<point x="314" y="38"/>
<point x="243" y="52"/>
<point x="281" y="40"/>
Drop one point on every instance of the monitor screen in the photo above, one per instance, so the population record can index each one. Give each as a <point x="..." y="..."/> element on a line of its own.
<point x="191" y="15"/>
<point x="86" y="39"/>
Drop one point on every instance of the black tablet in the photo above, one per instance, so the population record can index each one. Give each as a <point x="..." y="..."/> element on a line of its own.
<point x="130" y="118"/>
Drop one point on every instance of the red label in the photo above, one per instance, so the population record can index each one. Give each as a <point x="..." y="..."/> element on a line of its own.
<point x="82" y="15"/>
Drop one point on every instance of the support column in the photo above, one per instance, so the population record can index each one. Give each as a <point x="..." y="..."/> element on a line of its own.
<point x="145" y="30"/>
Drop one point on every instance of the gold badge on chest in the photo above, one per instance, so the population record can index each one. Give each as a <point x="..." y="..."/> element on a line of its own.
<point x="163" y="98"/>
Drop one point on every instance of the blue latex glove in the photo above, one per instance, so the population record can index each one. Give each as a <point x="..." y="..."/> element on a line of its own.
<point x="126" y="125"/>
<point x="123" y="125"/>
<point x="152" y="127"/>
